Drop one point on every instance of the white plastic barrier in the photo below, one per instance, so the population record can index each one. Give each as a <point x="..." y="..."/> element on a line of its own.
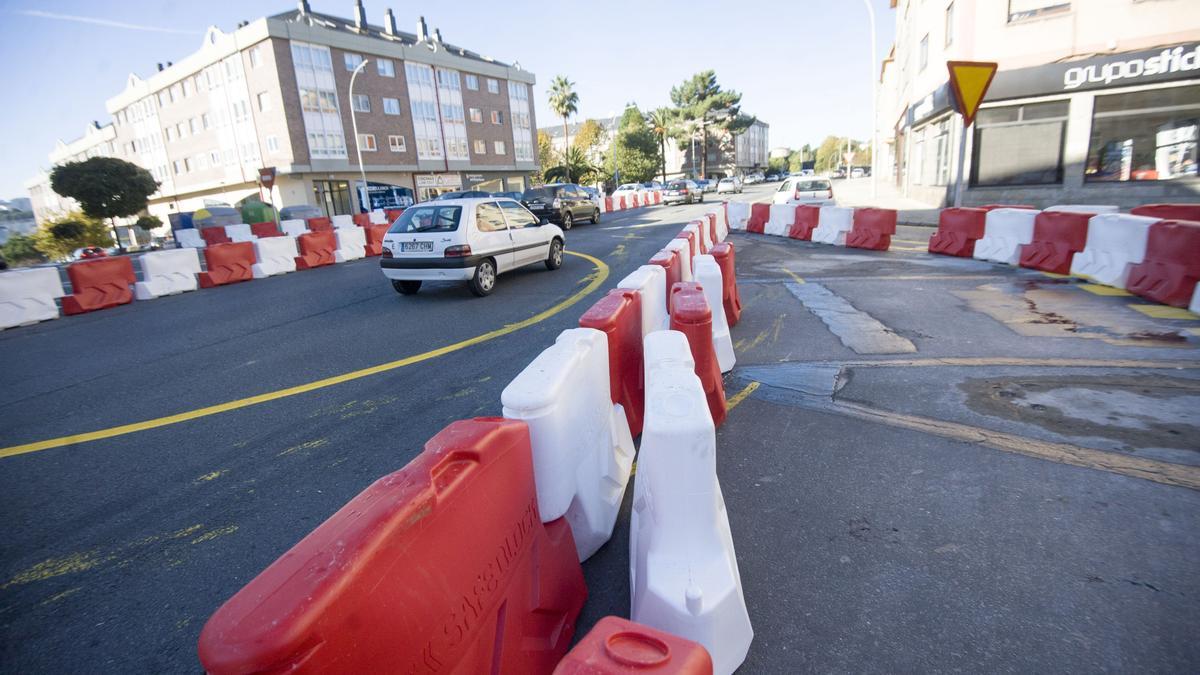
<point x="722" y="230"/>
<point x="1085" y="208"/>
<point x="294" y="228"/>
<point x="1114" y="242"/>
<point x="352" y="244"/>
<point x="190" y="238"/>
<point x="167" y="272"/>
<point x="27" y="296"/>
<point x="1004" y="231"/>
<point x="832" y="225"/>
<point x="708" y="273"/>
<point x="683" y="573"/>
<point x="739" y="213"/>
<point x="780" y="222"/>
<point x="704" y="232"/>
<point x="702" y="242"/>
<point x="582" y="448"/>
<point x="1194" y="307"/>
<point x="379" y="217"/>
<point x="276" y="255"/>
<point x="239" y="232"/>
<point x="650" y="281"/>
<point x="684" y="250"/>
<point x="343" y="221"/>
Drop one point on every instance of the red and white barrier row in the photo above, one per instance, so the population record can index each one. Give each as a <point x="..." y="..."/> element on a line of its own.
<point x="387" y="584"/>
<point x="865" y="228"/>
<point x="630" y="201"/>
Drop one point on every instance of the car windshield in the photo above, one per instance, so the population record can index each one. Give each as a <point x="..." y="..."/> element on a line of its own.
<point x="538" y="193"/>
<point x="628" y="187"/>
<point x="677" y="185"/>
<point x="811" y="185"/>
<point x="428" y="218"/>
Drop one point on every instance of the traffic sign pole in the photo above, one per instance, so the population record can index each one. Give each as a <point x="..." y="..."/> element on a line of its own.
<point x="969" y="82"/>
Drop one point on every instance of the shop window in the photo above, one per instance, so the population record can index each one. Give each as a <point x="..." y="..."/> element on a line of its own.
<point x="1019" y="145"/>
<point x="1147" y="135"/>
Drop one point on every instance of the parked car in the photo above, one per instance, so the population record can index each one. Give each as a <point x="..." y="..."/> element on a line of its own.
<point x="562" y="203"/>
<point x="592" y="194"/>
<point x="771" y="177"/>
<point x="464" y="194"/>
<point x="728" y="185"/>
<point x="300" y="212"/>
<point x="706" y="185"/>
<point x="754" y="178"/>
<point x="857" y="173"/>
<point x="628" y="190"/>
<point x="470" y="240"/>
<point x="815" y="191"/>
<point x="515" y="196"/>
<point x="88" y="252"/>
<point x="682" y="192"/>
<point x="652" y="185"/>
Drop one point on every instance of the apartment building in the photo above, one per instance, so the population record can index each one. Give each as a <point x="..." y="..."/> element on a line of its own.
<point x="1095" y="101"/>
<point x="276" y="92"/>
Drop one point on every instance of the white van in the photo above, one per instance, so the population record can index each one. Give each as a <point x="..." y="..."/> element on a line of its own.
<point x="470" y="240"/>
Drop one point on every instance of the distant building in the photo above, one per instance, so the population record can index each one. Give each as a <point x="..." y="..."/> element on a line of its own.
<point x="97" y="141"/>
<point x="779" y="153"/>
<point x="1094" y="102"/>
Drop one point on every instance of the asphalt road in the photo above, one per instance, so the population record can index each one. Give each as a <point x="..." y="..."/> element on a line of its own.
<point x="999" y="474"/>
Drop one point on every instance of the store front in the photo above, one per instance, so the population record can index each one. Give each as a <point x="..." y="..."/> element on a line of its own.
<point x="332" y="197"/>
<point x="496" y="182"/>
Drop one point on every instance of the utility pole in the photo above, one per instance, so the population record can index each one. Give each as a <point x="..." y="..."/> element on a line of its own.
<point x="364" y="200"/>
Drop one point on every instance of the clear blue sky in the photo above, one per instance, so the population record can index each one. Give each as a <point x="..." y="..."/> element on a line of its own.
<point x="803" y="67"/>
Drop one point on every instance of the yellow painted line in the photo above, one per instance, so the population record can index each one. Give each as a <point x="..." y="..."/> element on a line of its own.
<point x="595" y="280"/>
<point x="1056" y="275"/>
<point x="910" y="241"/>
<point x="795" y="277"/>
<point x="740" y="396"/>
<point x="1100" y="289"/>
<point x="912" y="249"/>
<point x="1165" y="312"/>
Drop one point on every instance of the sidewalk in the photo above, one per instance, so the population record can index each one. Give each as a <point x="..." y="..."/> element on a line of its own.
<point x="857" y="192"/>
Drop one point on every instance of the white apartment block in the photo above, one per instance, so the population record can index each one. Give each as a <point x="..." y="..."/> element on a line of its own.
<point x="1095" y="101"/>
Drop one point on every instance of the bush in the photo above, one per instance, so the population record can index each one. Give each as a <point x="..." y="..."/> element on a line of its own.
<point x="148" y="223"/>
<point x="56" y="239"/>
<point x="21" y="249"/>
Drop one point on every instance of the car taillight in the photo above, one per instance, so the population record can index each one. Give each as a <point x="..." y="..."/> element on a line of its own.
<point x="387" y="252"/>
<point x="458" y="251"/>
<point x="557" y="203"/>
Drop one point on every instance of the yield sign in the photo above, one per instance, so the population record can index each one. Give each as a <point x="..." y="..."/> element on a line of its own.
<point x="970" y="80"/>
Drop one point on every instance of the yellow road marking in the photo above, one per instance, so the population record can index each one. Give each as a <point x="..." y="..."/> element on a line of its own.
<point x="1056" y="275"/>
<point x="1165" y="312"/>
<point x="740" y="396"/>
<point x="794" y="276"/>
<point x="595" y="280"/>
<point x="1100" y="289"/>
<point x="910" y="241"/>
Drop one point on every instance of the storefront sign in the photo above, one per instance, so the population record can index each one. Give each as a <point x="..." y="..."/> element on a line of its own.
<point x="384" y="196"/>
<point x="474" y="178"/>
<point x="1101" y="72"/>
<point x="440" y="180"/>
<point x="934" y="103"/>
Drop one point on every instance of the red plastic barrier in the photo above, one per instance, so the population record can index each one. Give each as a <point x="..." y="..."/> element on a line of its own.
<point x="228" y="264"/>
<point x="265" y="229"/>
<point x="691" y="239"/>
<point x="759" y="215"/>
<point x="1057" y="237"/>
<point x="872" y="229"/>
<point x="99" y="284"/>
<point x="702" y="234"/>
<point x="691" y="315"/>
<point x="1171" y="268"/>
<point x="670" y="261"/>
<point x="807" y="219"/>
<point x="618" y="646"/>
<point x="619" y="315"/>
<point x="636" y="201"/>
<point x="316" y="249"/>
<point x="724" y="254"/>
<point x="993" y="207"/>
<point x="215" y="235"/>
<point x="712" y="227"/>
<point x="958" y="230"/>
<point x="393" y="214"/>
<point x="442" y="566"/>
<point x="321" y="224"/>
<point x="621" y="202"/>
<point x="361" y="219"/>
<point x="375" y="235"/>
<point x="608" y="205"/>
<point x="1190" y="212"/>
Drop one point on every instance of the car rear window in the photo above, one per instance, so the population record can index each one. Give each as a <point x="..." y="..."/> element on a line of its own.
<point x="811" y="185"/>
<point x="676" y="185"/>
<point x="428" y="218"/>
<point x="539" y="193"/>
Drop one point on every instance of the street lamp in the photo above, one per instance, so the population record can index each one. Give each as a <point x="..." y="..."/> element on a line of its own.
<point x="874" y="104"/>
<point x="612" y="144"/>
<point x="357" y="141"/>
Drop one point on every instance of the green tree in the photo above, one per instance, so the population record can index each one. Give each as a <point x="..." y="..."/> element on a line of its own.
<point x="662" y="123"/>
<point x="778" y="164"/>
<point x="795" y="160"/>
<point x="589" y="135"/>
<point x="713" y="110"/>
<point x="564" y="102"/>
<point x="21" y="249"/>
<point x="545" y="150"/>
<point x="577" y="164"/>
<point x="57" y="238"/>
<point x="148" y="223"/>
<point x="105" y="187"/>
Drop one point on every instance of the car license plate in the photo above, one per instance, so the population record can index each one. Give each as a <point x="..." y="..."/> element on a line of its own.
<point x="416" y="247"/>
<point x="537" y="207"/>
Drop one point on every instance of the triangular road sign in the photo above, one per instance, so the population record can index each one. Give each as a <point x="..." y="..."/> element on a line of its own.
<point x="969" y="80"/>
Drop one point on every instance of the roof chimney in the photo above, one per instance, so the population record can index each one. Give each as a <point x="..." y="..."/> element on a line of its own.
<point x="360" y="16"/>
<point x="160" y="67"/>
<point x="389" y="22"/>
<point x="422" y="30"/>
<point x="304" y="7"/>
<point x="437" y="35"/>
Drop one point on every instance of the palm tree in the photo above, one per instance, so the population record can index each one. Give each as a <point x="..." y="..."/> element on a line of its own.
<point x="662" y="122"/>
<point x="575" y="163"/>
<point x="564" y="102"/>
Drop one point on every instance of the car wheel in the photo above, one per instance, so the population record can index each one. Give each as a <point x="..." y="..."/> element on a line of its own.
<point x="701" y="197"/>
<point x="595" y="216"/>
<point x="484" y="281"/>
<point x="406" y="287"/>
<point x="567" y="221"/>
<point x="554" y="261"/>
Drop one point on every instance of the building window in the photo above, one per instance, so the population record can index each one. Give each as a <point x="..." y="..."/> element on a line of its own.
<point x="352" y="61"/>
<point x="396" y="144"/>
<point x="1146" y="135"/>
<point x="214" y="158"/>
<point x="493" y="86"/>
<point x="162" y="99"/>
<point x="255" y="57"/>
<point x="187" y="165"/>
<point x="170" y="134"/>
<point x="454" y="122"/>
<point x="1019" y="145"/>
<point x="477" y="115"/>
<point x="480" y="148"/>
<point x="385" y="67"/>
<point x="391" y="106"/>
<point x="423" y="101"/>
<point x="204" y="120"/>
<point x="949" y="24"/>
<point x="362" y="103"/>
<point x="498" y="147"/>
<point x="192" y="126"/>
<point x="924" y="54"/>
<point x="472" y="82"/>
<point x="518" y="105"/>
<point x="272" y="144"/>
<point x="177" y="166"/>
<point x="367" y="142"/>
<point x="187" y="87"/>
<point x="264" y="101"/>
<point x="497" y="117"/>
<point x="1019" y="10"/>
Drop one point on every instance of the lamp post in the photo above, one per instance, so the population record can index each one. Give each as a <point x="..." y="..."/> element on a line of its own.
<point x="874" y="104"/>
<point x="612" y="144"/>
<point x="357" y="141"/>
